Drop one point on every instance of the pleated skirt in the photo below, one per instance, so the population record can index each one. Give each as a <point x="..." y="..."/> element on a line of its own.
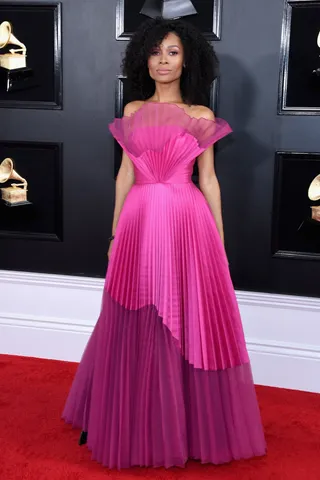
<point x="166" y="376"/>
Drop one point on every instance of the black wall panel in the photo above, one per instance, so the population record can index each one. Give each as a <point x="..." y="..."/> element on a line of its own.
<point x="249" y="50"/>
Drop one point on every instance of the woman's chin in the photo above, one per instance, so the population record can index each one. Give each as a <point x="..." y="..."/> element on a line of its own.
<point x="165" y="79"/>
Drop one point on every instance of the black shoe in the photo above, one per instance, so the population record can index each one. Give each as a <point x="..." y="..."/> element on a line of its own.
<point x="83" y="438"/>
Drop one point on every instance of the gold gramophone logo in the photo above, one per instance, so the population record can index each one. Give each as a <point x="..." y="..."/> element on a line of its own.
<point x="13" y="63"/>
<point x="316" y="71"/>
<point x="17" y="57"/>
<point x="16" y="194"/>
<point x="314" y="195"/>
<point x="168" y="8"/>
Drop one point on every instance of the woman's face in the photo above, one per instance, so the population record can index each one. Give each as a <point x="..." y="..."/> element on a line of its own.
<point x="166" y="61"/>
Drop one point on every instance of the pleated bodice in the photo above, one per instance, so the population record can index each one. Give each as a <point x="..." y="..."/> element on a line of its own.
<point x="162" y="141"/>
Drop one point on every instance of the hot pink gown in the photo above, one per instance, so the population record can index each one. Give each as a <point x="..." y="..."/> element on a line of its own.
<point x="166" y="374"/>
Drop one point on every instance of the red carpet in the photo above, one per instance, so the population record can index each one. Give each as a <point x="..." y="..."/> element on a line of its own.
<point x="36" y="444"/>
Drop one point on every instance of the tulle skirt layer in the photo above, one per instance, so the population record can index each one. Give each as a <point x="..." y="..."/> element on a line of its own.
<point x="142" y="403"/>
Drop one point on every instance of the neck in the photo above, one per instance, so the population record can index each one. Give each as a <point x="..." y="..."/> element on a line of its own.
<point x="167" y="93"/>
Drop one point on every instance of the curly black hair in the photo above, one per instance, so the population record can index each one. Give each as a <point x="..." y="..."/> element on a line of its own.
<point x="201" y="62"/>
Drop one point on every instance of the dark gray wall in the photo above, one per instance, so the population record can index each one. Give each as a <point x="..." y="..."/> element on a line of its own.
<point x="249" y="53"/>
<point x="90" y="64"/>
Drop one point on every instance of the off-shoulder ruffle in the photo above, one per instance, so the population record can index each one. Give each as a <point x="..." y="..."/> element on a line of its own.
<point x="156" y="123"/>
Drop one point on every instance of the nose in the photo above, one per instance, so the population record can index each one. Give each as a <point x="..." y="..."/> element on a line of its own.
<point x="163" y="59"/>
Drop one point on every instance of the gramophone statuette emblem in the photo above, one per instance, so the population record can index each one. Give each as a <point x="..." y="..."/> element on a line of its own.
<point x="16" y="194"/>
<point x="14" y="73"/>
<point x="168" y="8"/>
<point x="316" y="71"/>
<point x="314" y="195"/>
<point x="16" y="58"/>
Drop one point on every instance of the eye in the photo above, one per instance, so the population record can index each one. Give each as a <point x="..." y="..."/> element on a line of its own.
<point x="174" y="52"/>
<point x="154" y="52"/>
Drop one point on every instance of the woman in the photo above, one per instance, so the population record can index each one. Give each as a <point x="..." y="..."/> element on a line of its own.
<point x="166" y="376"/>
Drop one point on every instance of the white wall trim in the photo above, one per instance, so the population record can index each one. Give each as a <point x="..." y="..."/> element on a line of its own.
<point x="307" y="352"/>
<point x="67" y="325"/>
<point x="273" y="300"/>
<point x="44" y="323"/>
<point x="52" y="316"/>
<point x="46" y="280"/>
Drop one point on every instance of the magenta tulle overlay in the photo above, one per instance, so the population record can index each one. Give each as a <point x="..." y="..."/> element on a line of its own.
<point x="166" y="376"/>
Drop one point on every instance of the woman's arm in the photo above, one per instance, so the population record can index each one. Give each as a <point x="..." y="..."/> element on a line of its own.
<point x="208" y="181"/>
<point x="125" y="178"/>
<point x="124" y="182"/>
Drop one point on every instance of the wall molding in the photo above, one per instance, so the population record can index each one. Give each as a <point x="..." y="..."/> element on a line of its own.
<point x="307" y="352"/>
<point x="48" y="280"/>
<point x="66" y="325"/>
<point x="52" y="316"/>
<point x="273" y="300"/>
<point x="88" y="283"/>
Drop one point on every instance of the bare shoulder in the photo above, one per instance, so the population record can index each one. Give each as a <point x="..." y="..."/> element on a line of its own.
<point x="132" y="107"/>
<point x="200" y="111"/>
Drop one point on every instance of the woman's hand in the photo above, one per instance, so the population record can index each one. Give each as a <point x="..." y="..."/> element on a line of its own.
<point x="110" y="248"/>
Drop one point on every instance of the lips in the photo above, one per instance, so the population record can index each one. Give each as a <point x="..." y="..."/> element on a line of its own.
<point x="163" y="72"/>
